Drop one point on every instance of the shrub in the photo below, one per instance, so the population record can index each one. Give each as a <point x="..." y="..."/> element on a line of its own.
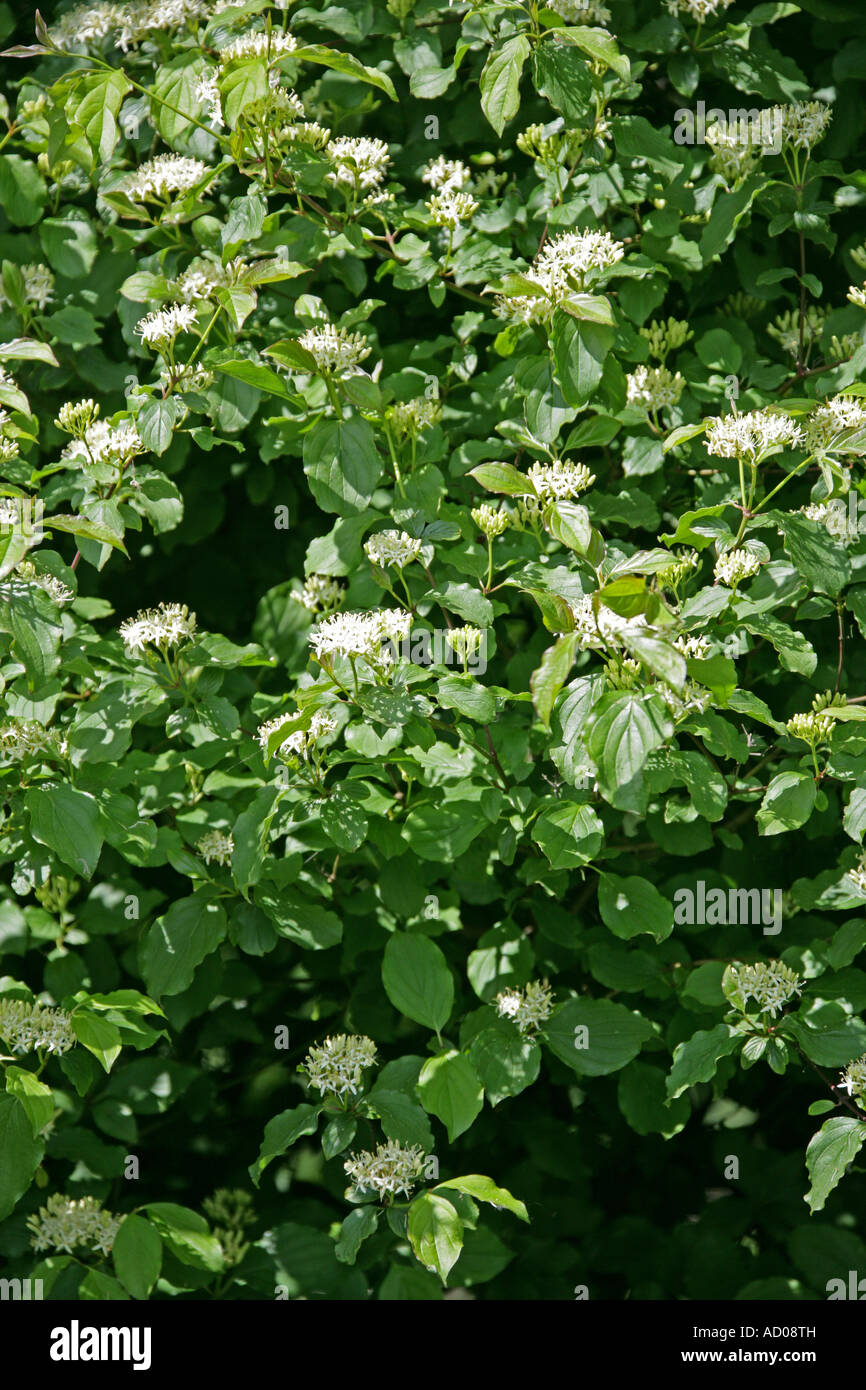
<point x="432" y="578"/>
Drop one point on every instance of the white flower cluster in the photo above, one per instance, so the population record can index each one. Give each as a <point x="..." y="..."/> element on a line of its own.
<point x="772" y="985"/>
<point x="302" y="741"/>
<point x="335" y="350"/>
<point x="569" y="262"/>
<point x="103" y="443"/>
<point x="38" y="286"/>
<point x="360" y="634"/>
<point x="48" y="583"/>
<point x="161" y="326"/>
<point x="700" y="10"/>
<point x="182" y="377"/>
<point x="66" y="1222"/>
<point x="207" y="91"/>
<point x="451" y="207"/>
<point x="736" y="565"/>
<point x="804" y="123"/>
<point x="529" y="1008"/>
<point x="335" y="1066"/>
<point x="559" y="480"/>
<point x="593" y="630"/>
<point x="216" y="848"/>
<point x="162" y="177"/>
<point x="392" y="548"/>
<point x="201" y="280"/>
<point x="165" y="626"/>
<point x="320" y="593"/>
<point x="833" y="516"/>
<point x="734" y="154"/>
<point x="857" y="295"/>
<point x="129" y="23"/>
<point x="654" y="388"/>
<point x="392" y="1169"/>
<point x="411" y="417"/>
<point x="829" y="423"/>
<point x="26" y="738"/>
<point x="853" y="1080"/>
<point x="35" y="1028"/>
<point x="580" y="11"/>
<point x="258" y="43"/>
<point x="693" y="648"/>
<point x="490" y="521"/>
<point x="752" y="436"/>
<point x="358" y="162"/>
<point x="446" y="175"/>
<point x="811" y="727"/>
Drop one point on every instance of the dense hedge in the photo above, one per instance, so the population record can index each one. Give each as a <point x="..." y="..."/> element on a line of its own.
<point x="432" y="624"/>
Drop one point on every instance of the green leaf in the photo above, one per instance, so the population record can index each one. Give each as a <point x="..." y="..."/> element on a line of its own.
<point x="562" y="75"/>
<point x="580" y="348"/>
<point x="281" y="1133"/>
<point x="484" y="1189"/>
<point x="695" y="1059"/>
<point x="356" y="1227"/>
<point x="505" y="1061"/>
<point x="435" y="1233"/>
<point x="342" y="465"/>
<point x="22" y="1153"/>
<point x="641" y="1097"/>
<point x="68" y="821"/>
<point x="632" y="905"/>
<point x="500" y="81"/>
<point x="570" y="834"/>
<point x="345" y="63"/>
<point x="99" y="1036"/>
<point x="186" y="1235"/>
<point x="23" y="193"/>
<point x="137" y="1256"/>
<point x="179" y="941"/>
<point x="830" y="1151"/>
<point x="823" y="563"/>
<point x="547" y="681"/>
<point x="788" y="803"/>
<point x="595" y="1037"/>
<point x="36" y="1098"/>
<point x="449" y="1089"/>
<point x="417" y="979"/>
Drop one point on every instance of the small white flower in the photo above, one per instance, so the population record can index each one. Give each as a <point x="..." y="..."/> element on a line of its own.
<point x="258" y="44"/>
<point x="804" y="123"/>
<point x="302" y="741"/>
<point x="360" y="634"/>
<point x="700" y="10"/>
<point x="811" y="727"/>
<point x="736" y="565"/>
<point x="166" y="626"/>
<point x="693" y="648"/>
<point x="392" y="1169"/>
<point x="74" y="416"/>
<point x="753" y="436"/>
<point x="65" y="1223"/>
<point x="771" y="985"/>
<point x="654" y="388"/>
<point x="581" y="11"/>
<point x="21" y="739"/>
<point x="465" y="641"/>
<point x="158" y="179"/>
<point x="446" y="174"/>
<point x="560" y="479"/>
<point x="358" y="162"/>
<point x="104" y="443"/>
<point x="335" y="350"/>
<point x="568" y="263"/>
<point x="411" y="417"/>
<point x="53" y="587"/>
<point x="38" y="286"/>
<point x="450" y="207"/>
<point x="208" y="93"/>
<point x="335" y="1067"/>
<point x="529" y="1008"/>
<point x="392" y="548"/>
<point x="35" y="1027"/>
<point x="161" y="326"/>
<point x="853" y="1080"/>
<point x="216" y="848"/>
<point x="831" y="423"/>
<point x="320" y="593"/>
